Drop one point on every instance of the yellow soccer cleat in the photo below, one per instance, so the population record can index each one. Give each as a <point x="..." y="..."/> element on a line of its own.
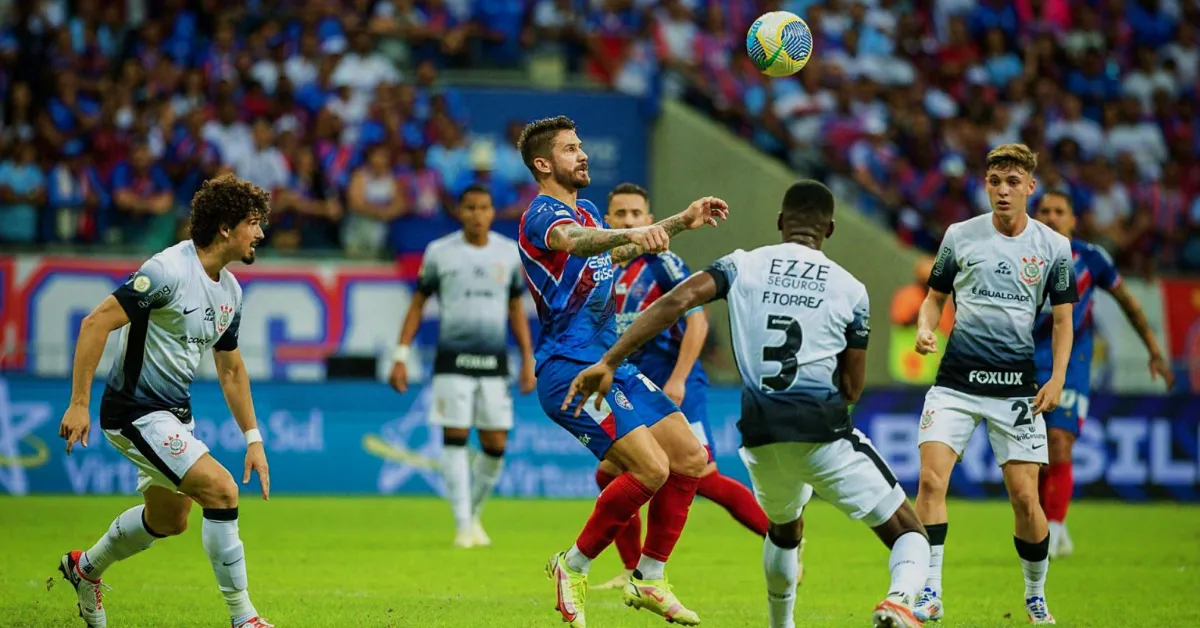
<point x="657" y="597"/>
<point x="571" y="588"/>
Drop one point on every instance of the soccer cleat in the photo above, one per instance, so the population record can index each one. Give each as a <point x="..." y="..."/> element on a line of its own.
<point x="617" y="582"/>
<point x="894" y="612"/>
<point x="657" y="597"/>
<point x="90" y="593"/>
<point x="465" y="538"/>
<point x="255" y="622"/>
<point x="928" y="606"/>
<point x="571" y="588"/>
<point x="1038" y="612"/>
<point x="481" y="539"/>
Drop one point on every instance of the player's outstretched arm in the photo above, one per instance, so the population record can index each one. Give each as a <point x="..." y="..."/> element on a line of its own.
<point x="927" y="321"/>
<point x="575" y="239"/>
<point x="89" y="347"/>
<point x="235" y="385"/>
<point x="1159" y="366"/>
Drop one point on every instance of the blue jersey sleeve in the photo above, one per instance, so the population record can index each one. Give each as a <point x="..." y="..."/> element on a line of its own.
<point x="1103" y="269"/>
<point x="541" y="218"/>
<point x="670" y="271"/>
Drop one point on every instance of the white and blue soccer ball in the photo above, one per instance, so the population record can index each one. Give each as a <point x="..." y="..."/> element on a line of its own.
<point x="779" y="43"/>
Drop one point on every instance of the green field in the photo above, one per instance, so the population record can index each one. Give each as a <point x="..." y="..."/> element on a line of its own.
<point x="336" y="562"/>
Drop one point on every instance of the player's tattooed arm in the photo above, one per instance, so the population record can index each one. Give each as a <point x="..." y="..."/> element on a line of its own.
<point x="581" y="241"/>
<point x="623" y="254"/>
<point x="696" y="290"/>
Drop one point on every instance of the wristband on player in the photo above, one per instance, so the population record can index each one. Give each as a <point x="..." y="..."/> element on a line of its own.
<point x="401" y="353"/>
<point x="253" y="436"/>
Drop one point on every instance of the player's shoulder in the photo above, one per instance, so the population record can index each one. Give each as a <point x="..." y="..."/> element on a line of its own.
<point x="174" y="262"/>
<point x="979" y="227"/>
<point x="448" y="241"/>
<point x="501" y="241"/>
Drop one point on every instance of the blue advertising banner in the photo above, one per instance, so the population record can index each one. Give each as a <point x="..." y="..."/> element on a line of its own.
<point x="614" y="128"/>
<point x="336" y="437"/>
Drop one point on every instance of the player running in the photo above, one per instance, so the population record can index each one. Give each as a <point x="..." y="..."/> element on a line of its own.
<point x="477" y="277"/>
<point x="178" y="305"/>
<point x="1093" y="269"/>
<point x="800" y="329"/>
<point x="568" y="254"/>
<point x="670" y="361"/>
<point x="1000" y="267"/>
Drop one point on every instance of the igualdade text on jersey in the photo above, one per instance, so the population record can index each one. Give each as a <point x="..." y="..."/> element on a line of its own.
<point x="797" y="275"/>
<point x="1002" y="295"/>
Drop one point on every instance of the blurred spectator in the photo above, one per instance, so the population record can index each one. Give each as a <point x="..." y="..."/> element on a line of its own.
<point x="373" y="200"/>
<point x="22" y="192"/>
<point x="143" y="200"/>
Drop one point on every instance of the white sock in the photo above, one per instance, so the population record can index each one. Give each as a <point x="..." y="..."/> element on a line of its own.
<point x="1035" y="576"/>
<point x="651" y="568"/>
<point x="484" y="475"/>
<point x="933" y="579"/>
<point x="126" y="536"/>
<point x="456" y="471"/>
<point x="781" y="567"/>
<point x="576" y="561"/>
<point x="228" y="558"/>
<point x="909" y="565"/>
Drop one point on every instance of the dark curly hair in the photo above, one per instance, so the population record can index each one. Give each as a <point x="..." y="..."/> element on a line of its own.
<point x="537" y="139"/>
<point x="225" y="201"/>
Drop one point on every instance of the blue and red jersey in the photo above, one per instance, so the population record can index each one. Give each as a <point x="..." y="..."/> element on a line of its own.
<point x="574" y="295"/>
<point x="638" y="285"/>
<point x="1093" y="269"/>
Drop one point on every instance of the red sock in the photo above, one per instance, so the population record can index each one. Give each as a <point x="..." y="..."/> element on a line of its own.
<point x="617" y="503"/>
<point x="737" y="499"/>
<point x="629" y="539"/>
<point x="668" y="514"/>
<point x="1060" y="483"/>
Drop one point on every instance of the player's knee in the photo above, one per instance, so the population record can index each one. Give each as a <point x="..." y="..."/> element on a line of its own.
<point x="455" y="438"/>
<point x="691" y="462"/>
<point x="786" y="535"/>
<point x="494" y="451"/>
<point x="1024" y="502"/>
<point x="220" y="491"/>
<point x="652" y="473"/>
<point x="933" y="483"/>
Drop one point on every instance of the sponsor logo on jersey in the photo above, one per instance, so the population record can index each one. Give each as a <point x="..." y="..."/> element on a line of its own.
<point x="158" y="297"/>
<point x="1031" y="269"/>
<point x="175" y="445"/>
<point x="997" y="378"/>
<point x="1004" y="268"/>
<point x="1003" y="296"/>
<point x="622" y="400"/>
<point x="472" y="362"/>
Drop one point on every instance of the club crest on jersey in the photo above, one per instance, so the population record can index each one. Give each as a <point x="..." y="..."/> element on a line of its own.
<point x="622" y="400"/>
<point x="1031" y="269"/>
<point x="926" y="419"/>
<point x="175" y="445"/>
<point x="226" y="315"/>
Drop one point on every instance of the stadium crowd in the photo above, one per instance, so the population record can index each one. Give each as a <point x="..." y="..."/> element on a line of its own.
<point x="114" y="112"/>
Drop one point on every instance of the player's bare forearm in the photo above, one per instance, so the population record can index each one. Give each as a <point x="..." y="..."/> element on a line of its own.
<point x="1063" y="338"/>
<point x="583" y="241"/>
<point x="89" y="347"/>
<point x="694" y="291"/>
<point x="412" y="318"/>
<point x="1137" y="318"/>
<point x="520" y="329"/>
<point x="235" y="385"/>
<point x="623" y="254"/>
<point x="852" y="365"/>
<point x="691" y="345"/>
<point x="930" y="313"/>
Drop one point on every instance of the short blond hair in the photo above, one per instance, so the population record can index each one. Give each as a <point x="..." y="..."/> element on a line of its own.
<point x="1008" y="156"/>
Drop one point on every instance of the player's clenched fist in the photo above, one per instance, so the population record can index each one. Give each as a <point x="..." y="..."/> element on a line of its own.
<point x="652" y="239"/>
<point x="926" y="342"/>
<point x="705" y="211"/>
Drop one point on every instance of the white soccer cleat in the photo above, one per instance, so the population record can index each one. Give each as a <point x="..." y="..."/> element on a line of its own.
<point x="1038" y="613"/>
<point x="90" y="593"/>
<point x="617" y="582"/>
<point x="480" y="537"/>
<point x="1065" y="546"/>
<point x="928" y="606"/>
<point x="255" y="622"/>
<point x="895" y="612"/>
<point x="465" y="538"/>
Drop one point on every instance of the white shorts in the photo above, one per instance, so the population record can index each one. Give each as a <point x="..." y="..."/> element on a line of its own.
<point x="847" y="472"/>
<point x="1015" y="432"/>
<point x="162" y="447"/>
<point x="462" y="401"/>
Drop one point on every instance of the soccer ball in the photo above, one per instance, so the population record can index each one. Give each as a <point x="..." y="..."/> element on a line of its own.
<point x="779" y="43"/>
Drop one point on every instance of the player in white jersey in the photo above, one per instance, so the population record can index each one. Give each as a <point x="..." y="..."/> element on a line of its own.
<point x="800" y="328"/>
<point x="477" y="277"/>
<point x="1000" y="267"/>
<point x="180" y="304"/>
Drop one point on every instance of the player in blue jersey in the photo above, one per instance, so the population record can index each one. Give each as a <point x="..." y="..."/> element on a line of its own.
<point x="670" y="361"/>
<point x="1093" y="269"/>
<point x="568" y="254"/>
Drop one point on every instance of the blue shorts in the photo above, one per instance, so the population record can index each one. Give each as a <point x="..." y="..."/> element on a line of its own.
<point x="1072" y="406"/>
<point x="632" y="402"/>
<point x="695" y="399"/>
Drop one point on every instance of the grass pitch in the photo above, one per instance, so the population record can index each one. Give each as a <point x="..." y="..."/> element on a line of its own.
<point x="387" y="562"/>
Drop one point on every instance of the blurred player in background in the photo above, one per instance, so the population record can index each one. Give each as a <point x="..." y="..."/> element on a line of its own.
<point x="1093" y="269"/>
<point x="800" y="326"/>
<point x="1000" y="267"/>
<point x="180" y="304"/>
<point x="477" y="277"/>
<point x="568" y="255"/>
<point x="671" y="362"/>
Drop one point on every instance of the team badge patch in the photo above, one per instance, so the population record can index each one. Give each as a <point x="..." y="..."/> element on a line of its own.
<point x="1031" y="269"/>
<point x="926" y="419"/>
<point x="175" y="445"/>
<point x="226" y="315"/>
<point x="622" y="400"/>
<point x="141" y="283"/>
